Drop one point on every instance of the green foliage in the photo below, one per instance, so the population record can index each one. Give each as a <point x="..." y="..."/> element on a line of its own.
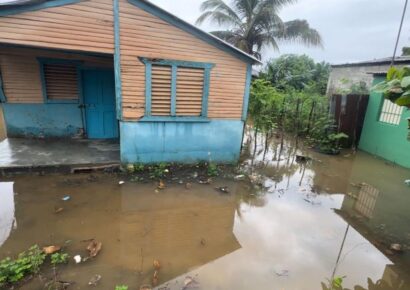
<point x="139" y="167"/>
<point x="158" y="170"/>
<point x="121" y="287"/>
<point x="396" y="87"/>
<point x="14" y="270"/>
<point x="59" y="258"/>
<point x="303" y="113"/>
<point x="405" y="51"/>
<point x="212" y="169"/>
<point x="264" y="105"/>
<point x="297" y="72"/>
<point x="255" y="24"/>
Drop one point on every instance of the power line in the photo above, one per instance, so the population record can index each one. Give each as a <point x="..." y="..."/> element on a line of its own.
<point x="398" y="35"/>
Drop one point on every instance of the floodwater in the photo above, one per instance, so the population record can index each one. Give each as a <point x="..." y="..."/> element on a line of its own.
<point x="286" y="234"/>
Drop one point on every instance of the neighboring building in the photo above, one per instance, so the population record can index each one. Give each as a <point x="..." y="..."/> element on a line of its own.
<point x="384" y="128"/>
<point x="124" y="69"/>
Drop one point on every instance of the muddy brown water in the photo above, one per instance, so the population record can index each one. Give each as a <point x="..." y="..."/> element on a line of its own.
<point x="287" y="234"/>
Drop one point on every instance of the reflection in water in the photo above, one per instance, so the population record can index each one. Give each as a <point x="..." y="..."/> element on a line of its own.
<point x="7" y="220"/>
<point x="366" y="200"/>
<point x="293" y="228"/>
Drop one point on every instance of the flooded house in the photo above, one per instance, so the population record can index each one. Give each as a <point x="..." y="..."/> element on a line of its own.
<point x="122" y="70"/>
<point x="374" y="124"/>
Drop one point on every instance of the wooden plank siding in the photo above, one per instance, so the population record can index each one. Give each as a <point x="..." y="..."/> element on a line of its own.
<point x="20" y="71"/>
<point x="85" y="26"/>
<point x="145" y="35"/>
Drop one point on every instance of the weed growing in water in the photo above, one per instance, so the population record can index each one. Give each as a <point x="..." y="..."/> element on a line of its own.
<point x="213" y="169"/>
<point x="59" y="258"/>
<point x="121" y="287"/>
<point x="12" y="271"/>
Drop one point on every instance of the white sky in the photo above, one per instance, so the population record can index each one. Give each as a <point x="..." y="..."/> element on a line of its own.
<point x="352" y="30"/>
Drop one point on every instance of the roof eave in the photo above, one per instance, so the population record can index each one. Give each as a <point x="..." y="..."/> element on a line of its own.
<point x="192" y="29"/>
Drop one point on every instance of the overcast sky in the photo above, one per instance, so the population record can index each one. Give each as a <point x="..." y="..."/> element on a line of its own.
<point x="352" y="30"/>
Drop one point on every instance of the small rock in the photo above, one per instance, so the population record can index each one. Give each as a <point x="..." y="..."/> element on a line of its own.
<point x="121" y="182"/>
<point x="188" y="185"/>
<point x="145" y="287"/>
<point x="407" y="182"/>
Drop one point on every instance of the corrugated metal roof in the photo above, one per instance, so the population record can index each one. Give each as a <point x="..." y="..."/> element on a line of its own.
<point x="379" y="61"/>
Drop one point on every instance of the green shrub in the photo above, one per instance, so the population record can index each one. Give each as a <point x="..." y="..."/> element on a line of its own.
<point x="29" y="262"/>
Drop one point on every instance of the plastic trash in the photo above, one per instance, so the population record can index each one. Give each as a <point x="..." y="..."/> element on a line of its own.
<point x="66" y="198"/>
<point x="77" y="259"/>
<point x="407" y="182"/>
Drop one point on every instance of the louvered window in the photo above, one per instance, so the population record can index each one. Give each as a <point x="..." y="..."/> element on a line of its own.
<point x="161" y="90"/>
<point x="190" y="83"/>
<point x="390" y="113"/>
<point x="60" y="82"/>
<point x="176" y="89"/>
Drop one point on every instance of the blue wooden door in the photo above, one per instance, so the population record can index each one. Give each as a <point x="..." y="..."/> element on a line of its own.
<point x="99" y="101"/>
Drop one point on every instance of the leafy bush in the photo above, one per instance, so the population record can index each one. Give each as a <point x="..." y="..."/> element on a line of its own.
<point x="12" y="271"/>
<point x="396" y="87"/>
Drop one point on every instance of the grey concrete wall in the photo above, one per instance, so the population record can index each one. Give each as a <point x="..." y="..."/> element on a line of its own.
<point x="341" y="79"/>
<point x="2" y="125"/>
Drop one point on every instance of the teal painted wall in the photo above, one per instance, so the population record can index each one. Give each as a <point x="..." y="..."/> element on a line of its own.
<point x="385" y="140"/>
<point x="42" y="120"/>
<point x="187" y="142"/>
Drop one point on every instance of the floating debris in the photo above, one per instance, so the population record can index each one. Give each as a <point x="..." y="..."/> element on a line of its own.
<point x="223" y="189"/>
<point x="94" y="248"/>
<point x="58" y="210"/>
<point x="51" y="249"/>
<point x="407" y="182"/>
<point x="156" y="265"/>
<point x="155" y="278"/>
<point x="302" y="159"/>
<point x="207" y="181"/>
<point x="66" y="198"/>
<point x="121" y="182"/>
<point x="77" y="259"/>
<point x="161" y="185"/>
<point x="94" y="280"/>
<point x="239" y="177"/>
<point x="396" y="247"/>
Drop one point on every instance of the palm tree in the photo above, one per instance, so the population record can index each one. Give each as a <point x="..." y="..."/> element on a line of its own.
<point x="253" y="24"/>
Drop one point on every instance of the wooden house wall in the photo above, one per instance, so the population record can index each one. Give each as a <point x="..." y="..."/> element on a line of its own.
<point x="20" y="71"/>
<point x="84" y="26"/>
<point x="145" y="35"/>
